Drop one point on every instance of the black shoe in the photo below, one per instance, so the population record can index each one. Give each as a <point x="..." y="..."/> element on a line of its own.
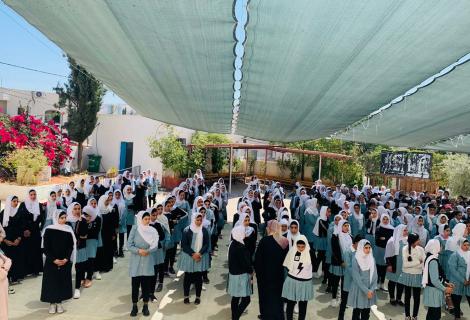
<point x="400" y="303"/>
<point x="324" y="281"/>
<point x="171" y="270"/>
<point x="159" y="287"/>
<point x="206" y="280"/>
<point x="153" y="298"/>
<point x="393" y="302"/>
<point x="186" y="301"/>
<point x="328" y="290"/>
<point x="134" y="311"/>
<point x="121" y="254"/>
<point x="145" y="310"/>
<point x="197" y="301"/>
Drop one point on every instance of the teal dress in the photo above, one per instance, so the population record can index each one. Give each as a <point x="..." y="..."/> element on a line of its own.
<point x="159" y="255"/>
<point x="188" y="243"/>
<point x="355" y="226"/>
<point x="433" y="295"/>
<point x="129" y="213"/>
<point x="457" y="270"/>
<point x="394" y="276"/>
<point x="444" y="255"/>
<point x="361" y="284"/>
<point x="433" y="232"/>
<point x="307" y="230"/>
<point x="138" y="265"/>
<point x="348" y="257"/>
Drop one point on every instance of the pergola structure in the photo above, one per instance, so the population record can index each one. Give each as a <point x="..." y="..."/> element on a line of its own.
<point x="275" y="148"/>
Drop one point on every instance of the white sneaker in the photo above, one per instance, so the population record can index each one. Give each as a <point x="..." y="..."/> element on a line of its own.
<point x="334" y="303"/>
<point x="60" y="309"/>
<point x="98" y="276"/>
<point x="76" y="294"/>
<point x="204" y="288"/>
<point x="319" y="274"/>
<point x="114" y="260"/>
<point x="296" y="308"/>
<point x="384" y="288"/>
<point x="52" y="308"/>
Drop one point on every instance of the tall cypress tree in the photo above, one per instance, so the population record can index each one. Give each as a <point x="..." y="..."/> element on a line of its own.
<point x="82" y="97"/>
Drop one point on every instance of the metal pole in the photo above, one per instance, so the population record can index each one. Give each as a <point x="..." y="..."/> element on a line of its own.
<point x="230" y="171"/>
<point x="265" y="162"/>
<point x="319" y="169"/>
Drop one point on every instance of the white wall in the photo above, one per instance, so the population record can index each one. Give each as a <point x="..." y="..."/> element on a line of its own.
<point x="112" y="129"/>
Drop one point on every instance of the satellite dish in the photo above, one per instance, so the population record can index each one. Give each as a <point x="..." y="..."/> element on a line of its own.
<point x="38" y="94"/>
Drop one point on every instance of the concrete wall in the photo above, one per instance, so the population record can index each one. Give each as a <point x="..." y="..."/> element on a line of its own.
<point x="112" y="129"/>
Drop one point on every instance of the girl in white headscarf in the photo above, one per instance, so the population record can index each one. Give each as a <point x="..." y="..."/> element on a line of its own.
<point x="59" y="245"/>
<point x="195" y="247"/>
<point x="320" y="241"/>
<point x="341" y="241"/>
<point x="433" y="281"/>
<point x="51" y="208"/>
<point x="394" y="260"/>
<point x="364" y="274"/>
<point x="383" y="233"/>
<point x="357" y="221"/>
<point x="240" y="271"/>
<point x="130" y="208"/>
<point x="308" y="221"/>
<point x="421" y="231"/>
<point x="444" y="254"/>
<point x="458" y="232"/>
<point x="110" y="223"/>
<point x="119" y="205"/>
<point x="459" y="274"/>
<point x="298" y="285"/>
<point x="142" y="242"/>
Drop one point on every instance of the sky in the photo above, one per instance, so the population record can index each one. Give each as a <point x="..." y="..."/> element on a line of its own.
<point x="22" y="44"/>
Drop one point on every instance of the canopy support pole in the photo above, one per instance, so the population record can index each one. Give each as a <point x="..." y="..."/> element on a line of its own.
<point x="265" y="162"/>
<point x="230" y="171"/>
<point x="319" y="169"/>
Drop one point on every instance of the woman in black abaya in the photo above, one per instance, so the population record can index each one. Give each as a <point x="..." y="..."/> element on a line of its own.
<point x="269" y="258"/>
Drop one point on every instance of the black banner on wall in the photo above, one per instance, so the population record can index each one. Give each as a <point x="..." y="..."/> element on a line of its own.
<point x="407" y="164"/>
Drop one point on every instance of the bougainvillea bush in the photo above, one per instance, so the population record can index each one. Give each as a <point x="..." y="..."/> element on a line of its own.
<point x="22" y="131"/>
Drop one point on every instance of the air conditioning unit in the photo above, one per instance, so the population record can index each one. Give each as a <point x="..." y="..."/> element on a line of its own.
<point x="38" y="94"/>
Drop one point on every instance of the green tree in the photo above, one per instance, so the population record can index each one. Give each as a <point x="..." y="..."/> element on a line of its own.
<point x="82" y="97"/>
<point x="198" y="155"/>
<point x="171" y="151"/>
<point x="457" y="168"/>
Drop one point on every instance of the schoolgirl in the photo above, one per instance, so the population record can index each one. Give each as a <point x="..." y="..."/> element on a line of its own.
<point x="382" y="235"/>
<point x="94" y="229"/>
<point x="341" y="241"/>
<point x="459" y="275"/>
<point x="394" y="259"/>
<point x="320" y="231"/>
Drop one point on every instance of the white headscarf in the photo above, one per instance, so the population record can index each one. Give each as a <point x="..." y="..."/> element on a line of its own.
<point x="242" y="215"/>
<point x="466" y="256"/>
<point x="457" y="234"/>
<point x="365" y="261"/>
<point x="51" y="208"/>
<point x="9" y="211"/>
<point x="373" y="225"/>
<point x="323" y="217"/>
<point x="359" y="218"/>
<point x="438" y="220"/>
<point x="148" y="233"/>
<point x="238" y="234"/>
<point x="393" y="244"/>
<point x="70" y="216"/>
<point x="420" y="231"/>
<point x="197" y="231"/>
<point x="291" y="262"/>
<point x="433" y="247"/>
<point x="386" y="226"/>
<point x="102" y="206"/>
<point x="32" y="206"/>
<point x="195" y="207"/>
<point x="163" y="220"/>
<point x="345" y="240"/>
<point x="92" y="212"/>
<point x="401" y="217"/>
<point x="293" y="237"/>
<point x="127" y="196"/>
<point x="68" y="199"/>
<point x="61" y="227"/>
<point x="311" y="205"/>
<point x="121" y="204"/>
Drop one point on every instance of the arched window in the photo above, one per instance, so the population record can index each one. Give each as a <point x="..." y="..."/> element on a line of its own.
<point x="53" y="115"/>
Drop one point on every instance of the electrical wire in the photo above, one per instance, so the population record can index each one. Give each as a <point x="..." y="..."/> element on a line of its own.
<point x="32" y="69"/>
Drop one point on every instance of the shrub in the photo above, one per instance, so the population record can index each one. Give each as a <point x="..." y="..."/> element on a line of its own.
<point x="33" y="160"/>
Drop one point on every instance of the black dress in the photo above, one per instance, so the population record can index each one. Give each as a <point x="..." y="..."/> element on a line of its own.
<point x="16" y="254"/>
<point x="57" y="281"/>
<point x="105" y="253"/>
<point x="32" y="244"/>
<point x="269" y="258"/>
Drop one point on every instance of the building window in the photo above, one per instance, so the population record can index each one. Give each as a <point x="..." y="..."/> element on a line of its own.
<point x="53" y="115"/>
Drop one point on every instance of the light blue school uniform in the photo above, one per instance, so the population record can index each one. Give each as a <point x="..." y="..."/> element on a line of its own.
<point x="348" y="257"/>
<point x="138" y="265"/>
<point x="129" y="213"/>
<point x="452" y="223"/>
<point x="457" y="270"/>
<point x="360" y="285"/>
<point x="308" y="225"/>
<point x="185" y="262"/>
<point x="159" y="255"/>
<point x="394" y="276"/>
<point x="433" y="296"/>
<point x="355" y="225"/>
<point x="432" y="232"/>
<point x="444" y="255"/>
<point x="82" y="255"/>
<point x="295" y="289"/>
<point x="329" y="235"/>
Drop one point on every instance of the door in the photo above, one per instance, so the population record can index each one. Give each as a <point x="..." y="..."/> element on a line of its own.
<point x="125" y="159"/>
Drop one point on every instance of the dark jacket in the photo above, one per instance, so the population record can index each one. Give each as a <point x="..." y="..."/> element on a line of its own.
<point x="239" y="259"/>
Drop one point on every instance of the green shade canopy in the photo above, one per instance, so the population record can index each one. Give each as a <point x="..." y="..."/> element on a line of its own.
<point x="310" y="68"/>
<point x="439" y="111"/>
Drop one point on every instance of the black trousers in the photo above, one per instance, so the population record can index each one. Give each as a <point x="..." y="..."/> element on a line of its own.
<point x="142" y="282"/>
<point x="129" y="227"/>
<point x="151" y="199"/>
<point x="170" y="258"/>
<point x="416" y="299"/>
<point x="313" y="256"/>
<point x="433" y="313"/>
<point x="335" y="285"/>
<point x="391" y="290"/>
<point x="214" y="239"/>
<point x="381" y="271"/>
<point x="321" y="258"/>
<point x="239" y="305"/>
<point x="361" y="314"/>
<point x="456" y="299"/>
<point x="342" y="306"/>
<point x="192" y="277"/>
<point x="90" y="268"/>
<point x="290" y="310"/>
<point x="158" y="277"/>
<point x="80" y="269"/>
